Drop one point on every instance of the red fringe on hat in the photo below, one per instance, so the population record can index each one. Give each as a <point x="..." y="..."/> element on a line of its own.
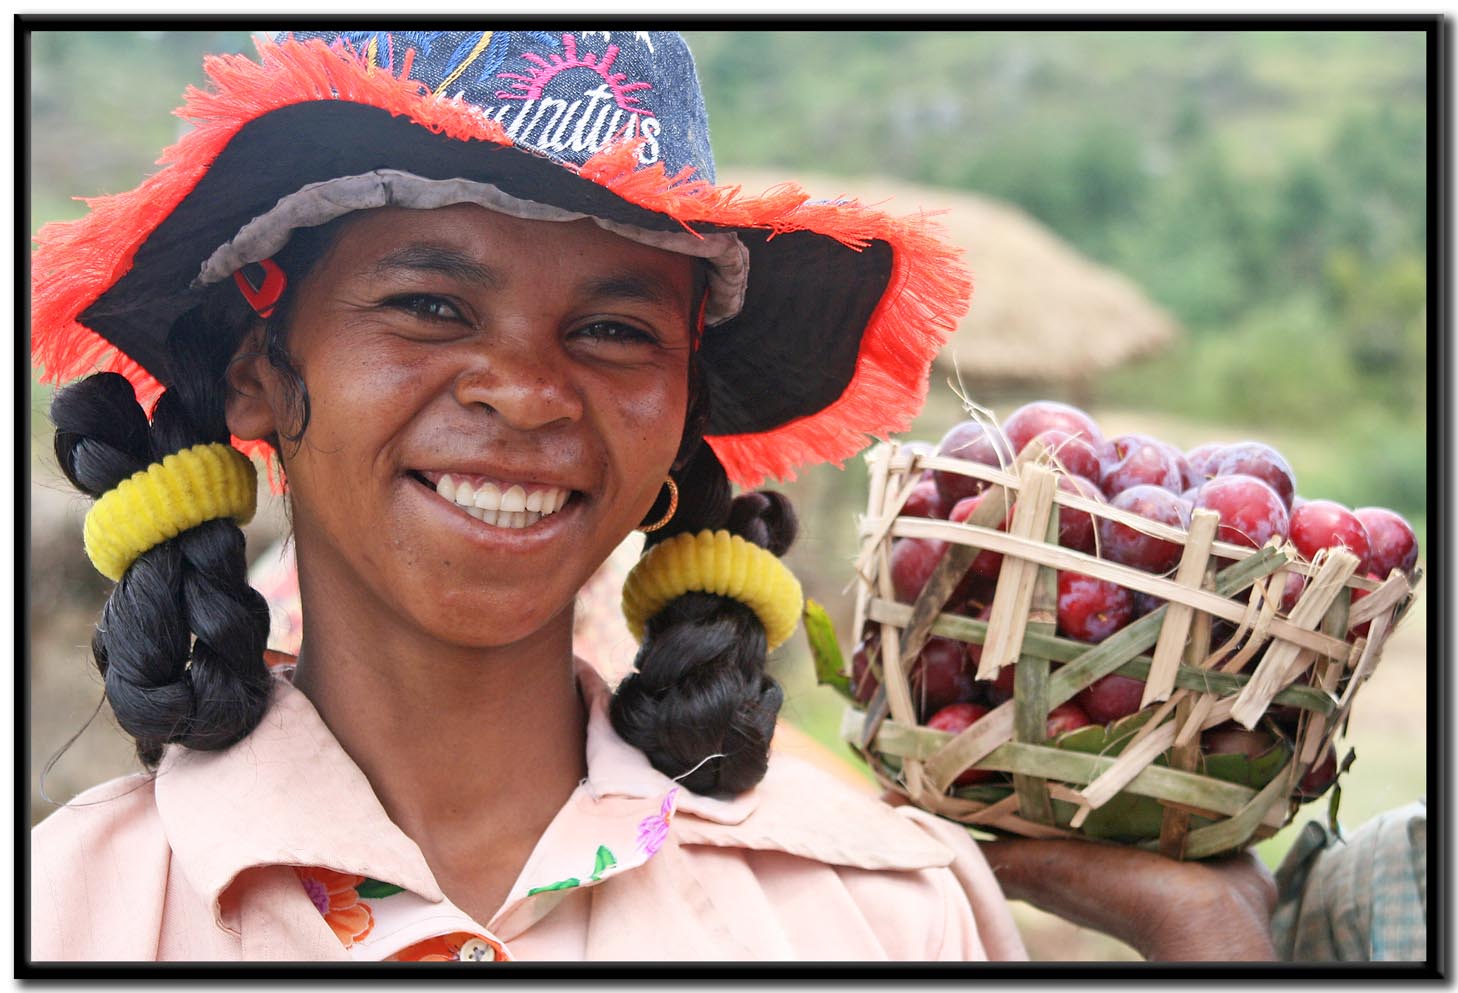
<point x="77" y="261"/>
<point x="928" y="292"/>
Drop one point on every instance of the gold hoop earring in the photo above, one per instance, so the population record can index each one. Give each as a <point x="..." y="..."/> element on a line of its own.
<point x="672" y="507"/>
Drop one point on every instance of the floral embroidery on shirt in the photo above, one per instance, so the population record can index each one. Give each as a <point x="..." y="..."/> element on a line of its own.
<point x="373" y="889"/>
<point x="459" y="946"/>
<point x="602" y="863"/>
<point x="336" y="897"/>
<point x="381" y="921"/>
<point x="653" y="830"/>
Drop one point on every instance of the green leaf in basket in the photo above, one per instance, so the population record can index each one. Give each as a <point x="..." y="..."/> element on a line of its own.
<point x="1127" y="817"/>
<point x="1264" y="767"/>
<point x="1103" y="739"/>
<point x="1091" y="738"/>
<point x="825" y="650"/>
<point x="1332" y="806"/>
<point x="1253" y="772"/>
<point x="988" y="793"/>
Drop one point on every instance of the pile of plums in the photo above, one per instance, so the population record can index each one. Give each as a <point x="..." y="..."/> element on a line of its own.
<point x="1248" y="484"/>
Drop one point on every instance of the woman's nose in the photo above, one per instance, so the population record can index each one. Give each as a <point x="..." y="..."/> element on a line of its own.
<point x="526" y="384"/>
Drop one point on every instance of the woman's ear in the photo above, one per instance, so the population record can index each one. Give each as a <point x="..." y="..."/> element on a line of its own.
<point x="251" y="388"/>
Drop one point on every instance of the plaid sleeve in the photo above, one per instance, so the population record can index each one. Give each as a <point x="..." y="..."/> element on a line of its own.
<point x="1359" y="899"/>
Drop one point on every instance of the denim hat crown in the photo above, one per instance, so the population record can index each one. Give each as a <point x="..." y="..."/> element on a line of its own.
<point x="566" y="95"/>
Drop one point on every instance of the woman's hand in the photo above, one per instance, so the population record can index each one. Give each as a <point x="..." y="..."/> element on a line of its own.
<point x="1170" y="911"/>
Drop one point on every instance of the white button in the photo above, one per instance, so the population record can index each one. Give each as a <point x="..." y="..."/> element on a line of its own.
<point x="477" y="950"/>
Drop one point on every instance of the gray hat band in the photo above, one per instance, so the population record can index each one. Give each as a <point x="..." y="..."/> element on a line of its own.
<point x="319" y="203"/>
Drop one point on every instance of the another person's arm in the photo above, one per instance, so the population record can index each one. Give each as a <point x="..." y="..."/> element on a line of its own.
<point x="1169" y="911"/>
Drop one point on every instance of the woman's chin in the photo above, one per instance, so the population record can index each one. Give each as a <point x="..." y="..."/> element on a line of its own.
<point x="496" y="622"/>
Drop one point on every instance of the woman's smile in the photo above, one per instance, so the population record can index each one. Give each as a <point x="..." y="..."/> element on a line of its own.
<point x="496" y="530"/>
<point x="497" y="502"/>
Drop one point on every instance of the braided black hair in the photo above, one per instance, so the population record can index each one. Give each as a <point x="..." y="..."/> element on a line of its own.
<point x="180" y="644"/>
<point x="181" y="638"/>
<point x="699" y="703"/>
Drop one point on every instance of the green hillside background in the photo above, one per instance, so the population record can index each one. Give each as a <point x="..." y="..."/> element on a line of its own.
<point x="1267" y="187"/>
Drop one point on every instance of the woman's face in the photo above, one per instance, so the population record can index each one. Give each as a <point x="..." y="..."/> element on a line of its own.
<point x="541" y="366"/>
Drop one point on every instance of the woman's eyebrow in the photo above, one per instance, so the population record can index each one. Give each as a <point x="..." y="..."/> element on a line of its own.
<point x="646" y="287"/>
<point x="639" y="286"/>
<point x="426" y="257"/>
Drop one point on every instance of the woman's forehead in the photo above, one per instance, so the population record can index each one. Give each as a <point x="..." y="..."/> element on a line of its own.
<point x="479" y="245"/>
<point x="481" y="230"/>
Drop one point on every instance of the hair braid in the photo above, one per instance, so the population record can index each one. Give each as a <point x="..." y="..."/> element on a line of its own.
<point x="181" y="639"/>
<point x="700" y="704"/>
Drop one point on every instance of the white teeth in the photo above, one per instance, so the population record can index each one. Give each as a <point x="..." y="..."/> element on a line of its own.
<point x="488" y="497"/>
<point x="514" y="508"/>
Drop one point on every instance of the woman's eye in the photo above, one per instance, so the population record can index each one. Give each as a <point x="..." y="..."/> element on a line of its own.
<point x="423" y="305"/>
<point x="614" y="331"/>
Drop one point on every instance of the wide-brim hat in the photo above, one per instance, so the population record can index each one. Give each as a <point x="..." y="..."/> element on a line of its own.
<point x="825" y="316"/>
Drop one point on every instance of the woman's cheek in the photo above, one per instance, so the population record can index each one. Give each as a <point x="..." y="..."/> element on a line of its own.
<point x="655" y="417"/>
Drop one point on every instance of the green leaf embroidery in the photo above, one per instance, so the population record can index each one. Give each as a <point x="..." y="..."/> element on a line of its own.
<point x="565" y="884"/>
<point x="824" y="649"/>
<point x="604" y="861"/>
<point x="373" y="889"/>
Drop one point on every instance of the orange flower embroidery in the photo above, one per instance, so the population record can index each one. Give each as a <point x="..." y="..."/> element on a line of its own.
<point x="459" y="946"/>
<point x="334" y="895"/>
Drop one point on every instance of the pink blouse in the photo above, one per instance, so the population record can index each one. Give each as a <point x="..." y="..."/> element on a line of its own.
<point x="278" y="849"/>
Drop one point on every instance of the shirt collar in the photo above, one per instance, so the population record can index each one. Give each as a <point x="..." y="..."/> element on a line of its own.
<point x="289" y="794"/>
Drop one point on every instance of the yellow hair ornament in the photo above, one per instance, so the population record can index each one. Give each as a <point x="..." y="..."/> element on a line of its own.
<point x="160" y="502"/>
<point x="714" y="562"/>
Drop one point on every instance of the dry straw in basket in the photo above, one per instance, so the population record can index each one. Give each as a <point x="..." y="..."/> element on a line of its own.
<point x="1195" y="683"/>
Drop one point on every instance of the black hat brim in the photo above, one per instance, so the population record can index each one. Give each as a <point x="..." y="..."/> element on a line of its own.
<point x="785" y="355"/>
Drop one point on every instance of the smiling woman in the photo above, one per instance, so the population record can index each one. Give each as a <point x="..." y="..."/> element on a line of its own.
<point x="475" y="300"/>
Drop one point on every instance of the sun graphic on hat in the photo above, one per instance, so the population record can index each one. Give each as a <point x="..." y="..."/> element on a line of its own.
<point x="532" y="85"/>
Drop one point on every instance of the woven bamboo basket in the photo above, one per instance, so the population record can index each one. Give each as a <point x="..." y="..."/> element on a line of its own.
<point x="1143" y="779"/>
